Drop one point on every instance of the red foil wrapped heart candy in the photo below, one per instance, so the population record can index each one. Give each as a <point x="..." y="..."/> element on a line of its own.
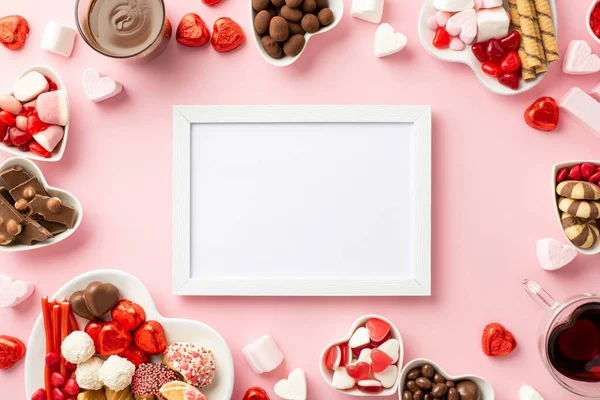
<point x="150" y="338"/>
<point x="13" y="31"/>
<point x="11" y="351"/>
<point x="497" y="341"/>
<point x="192" y="31"/>
<point x="93" y="329"/>
<point x="135" y="356"/>
<point x="256" y="393"/>
<point x="128" y="314"/>
<point x="543" y="114"/>
<point x="211" y="2"/>
<point x="227" y="35"/>
<point x="113" y="339"/>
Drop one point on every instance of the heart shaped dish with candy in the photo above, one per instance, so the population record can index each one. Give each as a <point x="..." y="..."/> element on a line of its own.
<point x="125" y="349"/>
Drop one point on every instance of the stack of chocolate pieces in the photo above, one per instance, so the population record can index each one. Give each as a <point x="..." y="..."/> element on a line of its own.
<point x="28" y="215"/>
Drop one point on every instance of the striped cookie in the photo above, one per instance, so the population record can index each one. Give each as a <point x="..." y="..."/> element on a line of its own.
<point x="580" y="208"/>
<point x="578" y="190"/>
<point x="582" y="233"/>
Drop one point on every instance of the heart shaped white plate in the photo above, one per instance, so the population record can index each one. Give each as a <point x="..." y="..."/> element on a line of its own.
<point x="486" y="390"/>
<point x="58" y="152"/>
<point x="328" y="374"/>
<point x="67" y="198"/>
<point x="466" y="56"/>
<point x="336" y="6"/>
<point x="177" y="330"/>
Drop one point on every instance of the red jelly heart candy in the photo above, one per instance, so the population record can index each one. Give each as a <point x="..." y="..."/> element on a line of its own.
<point x="479" y="51"/>
<point x="495" y="51"/>
<point x="51" y="84"/>
<point x="255" y="393"/>
<point x="370" y="386"/>
<point x="595" y="178"/>
<point x="192" y="31"/>
<point x="6" y="140"/>
<point x="150" y="338"/>
<point x="58" y="394"/>
<point x="52" y="360"/>
<point x="35" y="124"/>
<point x="509" y="80"/>
<point x="543" y="114"/>
<point x="57" y="380"/>
<point x="18" y="137"/>
<point x="39" y="394"/>
<point x="587" y="170"/>
<point x="93" y="329"/>
<point x="7" y="119"/>
<point x="358" y="371"/>
<point x="575" y="173"/>
<point x="135" y="356"/>
<point x="333" y="357"/>
<point x="13" y="31"/>
<point x="511" y="62"/>
<point x="380" y="361"/>
<point x="562" y="175"/>
<point x="37" y="148"/>
<point x="441" y="40"/>
<point x="71" y="387"/>
<point x="346" y="354"/>
<point x="113" y="339"/>
<point x="11" y="351"/>
<point x="512" y="41"/>
<point x="129" y="314"/>
<point x="379" y="330"/>
<point x="491" y="69"/>
<point x="497" y="341"/>
<point x="227" y="35"/>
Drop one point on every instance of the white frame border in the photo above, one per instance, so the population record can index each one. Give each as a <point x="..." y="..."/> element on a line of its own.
<point x="184" y="284"/>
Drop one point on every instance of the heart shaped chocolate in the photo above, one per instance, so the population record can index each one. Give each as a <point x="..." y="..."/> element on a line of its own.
<point x="256" y="393"/>
<point x="113" y="339"/>
<point x="543" y="114"/>
<point x="497" y="340"/>
<point x="11" y="351"/>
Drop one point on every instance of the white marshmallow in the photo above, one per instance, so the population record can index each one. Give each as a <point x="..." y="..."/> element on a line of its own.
<point x="50" y="137"/>
<point x="58" y="39"/>
<point x="388" y="376"/>
<point x="292" y="388"/>
<point x="583" y="108"/>
<point x="579" y="60"/>
<point x="479" y="4"/>
<point x="365" y="355"/>
<point x="392" y="349"/>
<point x="553" y="255"/>
<point x="10" y="104"/>
<point x="53" y="107"/>
<point x="369" y="10"/>
<point x="99" y="88"/>
<point x="388" y="42"/>
<point x="359" y="338"/>
<point x="341" y="380"/>
<point x="492" y="23"/>
<point x="30" y="86"/>
<point x="453" y="5"/>
<point x="263" y="355"/>
<point x="463" y="24"/>
<point x="529" y="393"/>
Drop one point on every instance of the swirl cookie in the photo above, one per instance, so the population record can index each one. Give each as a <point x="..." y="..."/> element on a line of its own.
<point x="582" y="233"/>
<point x="578" y="190"/>
<point x="580" y="208"/>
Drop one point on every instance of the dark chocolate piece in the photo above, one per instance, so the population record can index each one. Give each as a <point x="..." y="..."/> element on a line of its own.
<point x="54" y="228"/>
<point x="11" y="222"/>
<point x="28" y="190"/>
<point x="32" y="233"/>
<point x="52" y="209"/>
<point x="467" y="390"/>
<point x="14" y="176"/>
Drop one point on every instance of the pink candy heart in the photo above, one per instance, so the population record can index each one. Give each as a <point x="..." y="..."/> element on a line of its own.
<point x="463" y="25"/>
<point x="13" y="292"/>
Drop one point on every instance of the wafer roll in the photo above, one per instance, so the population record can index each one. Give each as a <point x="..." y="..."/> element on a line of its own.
<point x="578" y="190"/>
<point x="528" y="37"/>
<point x="527" y="73"/>
<point x="580" y="232"/>
<point x="536" y="24"/>
<point x="547" y="30"/>
<point x="580" y="208"/>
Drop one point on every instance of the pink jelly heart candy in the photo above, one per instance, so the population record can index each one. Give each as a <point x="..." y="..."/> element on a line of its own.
<point x="380" y="361"/>
<point x="379" y="330"/>
<point x="358" y="371"/>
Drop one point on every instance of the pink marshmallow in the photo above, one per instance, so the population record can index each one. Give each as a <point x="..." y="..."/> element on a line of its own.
<point x="10" y="104"/>
<point x="456" y="44"/>
<point x="53" y="107"/>
<point x="50" y="137"/>
<point x="263" y="355"/>
<point x="442" y="17"/>
<point x="432" y="23"/>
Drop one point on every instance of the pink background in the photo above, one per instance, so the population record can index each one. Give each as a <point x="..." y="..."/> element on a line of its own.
<point x="491" y="190"/>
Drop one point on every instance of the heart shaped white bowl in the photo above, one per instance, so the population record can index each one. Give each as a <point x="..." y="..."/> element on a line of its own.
<point x="595" y="249"/>
<point x="336" y="6"/>
<point x="176" y="330"/>
<point x="486" y="390"/>
<point x="466" y="56"/>
<point x="587" y="21"/>
<point x="327" y="374"/>
<point x="67" y="198"/>
<point x="58" y="152"/>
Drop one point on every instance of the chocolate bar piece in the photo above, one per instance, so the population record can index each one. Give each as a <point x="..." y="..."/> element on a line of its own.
<point x="14" y="176"/>
<point x="11" y="222"/>
<point x="6" y="194"/>
<point x="33" y="233"/>
<point x="51" y="209"/>
<point x="28" y="190"/>
<point x="54" y="228"/>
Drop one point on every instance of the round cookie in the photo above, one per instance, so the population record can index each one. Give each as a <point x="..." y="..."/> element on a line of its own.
<point x="194" y="363"/>
<point x="578" y="190"/>
<point x="582" y="233"/>
<point x="579" y="208"/>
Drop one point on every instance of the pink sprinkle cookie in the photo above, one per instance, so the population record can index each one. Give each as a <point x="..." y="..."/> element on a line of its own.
<point x="149" y="378"/>
<point x="456" y="44"/>
<point x="195" y="363"/>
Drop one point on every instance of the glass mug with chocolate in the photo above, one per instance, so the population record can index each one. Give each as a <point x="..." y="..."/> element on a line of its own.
<point x="128" y="29"/>
<point x="569" y="341"/>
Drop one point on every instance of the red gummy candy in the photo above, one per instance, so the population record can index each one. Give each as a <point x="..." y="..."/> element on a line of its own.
<point x="491" y="69"/>
<point x="211" y="2"/>
<point x="509" y="80"/>
<point x="562" y="175"/>
<point x="129" y="314"/>
<point x="511" y="62"/>
<point x="575" y="173"/>
<point x="370" y="386"/>
<point x="7" y="119"/>
<point x="358" y="371"/>
<point x="441" y="40"/>
<point x="37" y="148"/>
<point x="150" y="338"/>
<point x="35" y="124"/>
<point x="51" y="84"/>
<point x="587" y="170"/>
<point x="512" y="41"/>
<point x="479" y="51"/>
<point x="495" y="51"/>
<point x="39" y="394"/>
<point x="11" y="351"/>
<point x="379" y="330"/>
<point x="18" y="137"/>
<point x="595" y="178"/>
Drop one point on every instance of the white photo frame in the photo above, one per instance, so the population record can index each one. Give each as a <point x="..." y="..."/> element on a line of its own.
<point x="211" y="144"/>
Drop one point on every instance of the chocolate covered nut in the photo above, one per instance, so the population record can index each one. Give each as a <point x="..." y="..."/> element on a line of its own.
<point x="260" y="5"/>
<point x="294" y="45"/>
<point x="293" y="3"/>
<point x="13" y="228"/>
<point x="14" y="176"/>
<point x="310" y="23"/>
<point x="439" y="390"/>
<point x="428" y="396"/>
<point x="414" y="374"/>
<point x="407" y="395"/>
<point x="308" y="6"/>
<point x="437" y="378"/>
<point x="423" y="383"/>
<point x="272" y="47"/>
<point x="22" y="205"/>
<point x="427" y="371"/>
<point x="450" y="384"/>
<point x="291" y="14"/>
<point x="322" y="4"/>
<point x="10" y="220"/>
<point x="262" y="22"/>
<point x="325" y="16"/>
<point x="5" y="240"/>
<point x="273" y="12"/>
<point x="295" y="28"/>
<point x="54" y="205"/>
<point x="412" y="386"/>
<point x="278" y="3"/>
<point x="468" y="390"/>
<point x="453" y="394"/>
<point x="28" y="190"/>
<point x="418" y="395"/>
<point x="278" y="29"/>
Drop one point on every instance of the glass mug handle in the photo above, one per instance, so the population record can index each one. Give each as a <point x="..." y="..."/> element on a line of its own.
<point x="537" y="293"/>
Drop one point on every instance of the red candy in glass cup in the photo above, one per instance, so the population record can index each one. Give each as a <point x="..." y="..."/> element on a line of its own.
<point x="150" y="338"/>
<point x="491" y="69"/>
<point x="128" y="314"/>
<point x="441" y="40"/>
<point x="575" y="173"/>
<point x="113" y="339"/>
